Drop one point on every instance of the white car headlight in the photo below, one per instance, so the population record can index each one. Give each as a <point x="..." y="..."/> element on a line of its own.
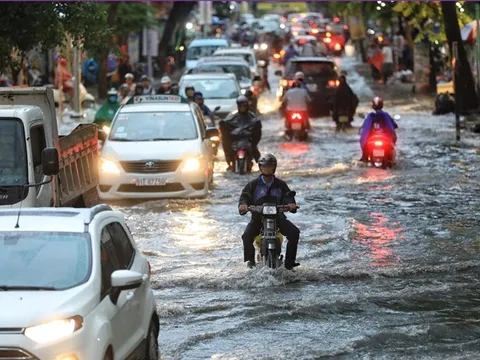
<point x="106" y="129"/>
<point x="264" y="46"/>
<point x="192" y="164"/>
<point x="255" y="47"/>
<point x="270" y="210"/>
<point x="108" y="166"/>
<point x="54" y="330"/>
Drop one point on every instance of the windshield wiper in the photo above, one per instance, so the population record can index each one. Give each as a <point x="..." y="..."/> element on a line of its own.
<point x="121" y="139"/>
<point x="33" y="288"/>
<point x="163" y="139"/>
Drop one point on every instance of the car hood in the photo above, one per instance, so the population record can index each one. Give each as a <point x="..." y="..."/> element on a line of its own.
<point x="245" y="84"/>
<point x="190" y="64"/>
<point x="226" y="105"/>
<point x="150" y="150"/>
<point x="29" y="308"/>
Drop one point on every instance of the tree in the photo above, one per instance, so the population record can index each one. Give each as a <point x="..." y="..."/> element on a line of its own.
<point x="120" y="20"/>
<point x="178" y="14"/>
<point x="47" y="26"/>
<point x="465" y="96"/>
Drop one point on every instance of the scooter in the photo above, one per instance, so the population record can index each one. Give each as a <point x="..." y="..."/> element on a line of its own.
<point x="296" y="124"/>
<point x="270" y="240"/>
<point x="243" y="162"/>
<point x="343" y="122"/>
<point x="380" y="151"/>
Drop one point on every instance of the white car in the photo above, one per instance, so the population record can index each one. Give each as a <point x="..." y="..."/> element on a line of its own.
<point x="218" y="89"/>
<point x="74" y="286"/>
<point x="158" y="147"/>
<point x="246" y="53"/>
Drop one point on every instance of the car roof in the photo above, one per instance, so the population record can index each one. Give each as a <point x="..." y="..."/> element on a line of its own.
<point x="223" y="59"/>
<point x="208" y="76"/>
<point x="208" y="41"/>
<point x="319" y="59"/>
<point x="52" y="219"/>
<point x="242" y="50"/>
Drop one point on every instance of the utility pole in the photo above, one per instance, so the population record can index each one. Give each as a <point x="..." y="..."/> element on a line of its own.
<point x="477" y="52"/>
<point x="76" y="85"/>
<point x="455" y="72"/>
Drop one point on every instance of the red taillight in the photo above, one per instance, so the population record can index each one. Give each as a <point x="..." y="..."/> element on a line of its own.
<point x="378" y="143"/>
<point x="333" y="83"/>
<point x="149" y="269"/>
<point x="296" y="116"/>
<point x="241" y="154"/>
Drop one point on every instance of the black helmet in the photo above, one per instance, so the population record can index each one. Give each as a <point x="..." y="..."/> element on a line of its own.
<point x="249" y="94"/>
<point x="242" y="100"/>
<point x="267" y="160"/>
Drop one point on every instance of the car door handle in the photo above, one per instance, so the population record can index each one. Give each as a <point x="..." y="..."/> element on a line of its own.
<point x="129" y="295"/>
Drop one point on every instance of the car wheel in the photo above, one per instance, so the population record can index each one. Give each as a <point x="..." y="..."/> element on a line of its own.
<point x="153" y="352"/>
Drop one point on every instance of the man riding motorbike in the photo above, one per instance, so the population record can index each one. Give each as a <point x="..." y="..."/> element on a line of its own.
<point x="198" y="98"/>
<point x="252" y="101"/>
<point x="165" y="86"/>
<point x="300" y="76"/>
<point x="254" y="193"/>
<point x="241" y="119"/>
<point x="344" y="101"/>
<point x="105" y="114"/>
<point x="377" y="120"/>
<point x="296" y="99"/>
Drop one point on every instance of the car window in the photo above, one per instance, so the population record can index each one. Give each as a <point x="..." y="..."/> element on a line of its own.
<point x="213" y="88"/>
<point x="123" y="246"/>
<point x="201" y="120"/>
<point x="13" y="153"/>
<point x="197" y="52"/>
<point x="61" y="260"/>
<point x="108" y="259"/>
<point x="151" y="126"/>
<point x="311" y="68"/>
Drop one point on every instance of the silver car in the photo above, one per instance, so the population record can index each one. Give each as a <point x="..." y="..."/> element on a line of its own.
<point x="219" y="90"/>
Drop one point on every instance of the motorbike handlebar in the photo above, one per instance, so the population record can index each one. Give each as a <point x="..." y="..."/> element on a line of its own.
<point x="281" y="208"/>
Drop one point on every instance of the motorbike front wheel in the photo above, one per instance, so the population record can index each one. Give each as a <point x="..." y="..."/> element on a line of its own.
<point x="272" y="258"/>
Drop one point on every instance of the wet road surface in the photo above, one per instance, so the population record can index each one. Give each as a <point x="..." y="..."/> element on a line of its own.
<point x="389" y="258"/>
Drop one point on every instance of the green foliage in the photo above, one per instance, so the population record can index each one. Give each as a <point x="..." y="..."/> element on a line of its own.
<point x="28" y="25"/>
<point x="424" y="16"/>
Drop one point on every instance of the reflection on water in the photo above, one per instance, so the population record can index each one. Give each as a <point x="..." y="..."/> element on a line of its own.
<point x="377" y="237"/>
<point x="375" y="175"/>
<point x="295" y="148"/>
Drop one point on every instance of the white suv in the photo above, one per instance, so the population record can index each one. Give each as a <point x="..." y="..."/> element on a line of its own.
<point x="74" y="286"/>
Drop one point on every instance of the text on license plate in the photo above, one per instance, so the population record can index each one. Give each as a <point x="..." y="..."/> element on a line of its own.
<point x="297" y="126"/>
<point x="378" y="152"/>
<point x="150" y="182"/>
<point x="312" y="87"/>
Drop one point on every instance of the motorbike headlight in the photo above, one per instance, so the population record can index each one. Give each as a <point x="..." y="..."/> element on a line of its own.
<point x="215" y="138"/>
<point x="269" y="210"/>
<point x="192" y="164"/>
<point x="106" y="129"/>
<point x="243" y="91"/>
<point x="54" y="330"/>
<point x="255" y="46"/>
<point x="264" y="46"/>
<point x="108" y="166"/>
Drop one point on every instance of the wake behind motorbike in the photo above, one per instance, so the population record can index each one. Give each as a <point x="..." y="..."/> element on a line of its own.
<point x="269" y="242"/>
<point x="296" y="124"/>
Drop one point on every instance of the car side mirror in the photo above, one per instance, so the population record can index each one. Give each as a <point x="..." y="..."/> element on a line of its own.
<point x="291" y="193"/>
<point x="124" y="280"/>
<point x="257" y="78"/>
<point x="278" y="73"/>
<point x="50" y="162"/>
<point x="216" y="109"/>
<point x="212" y="132"/>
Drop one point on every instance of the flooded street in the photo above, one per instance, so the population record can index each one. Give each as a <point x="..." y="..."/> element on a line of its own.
<point x="389" y="258"/>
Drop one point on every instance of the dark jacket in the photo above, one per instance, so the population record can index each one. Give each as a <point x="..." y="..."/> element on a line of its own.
<point x="279" y="189"/>
<point x="345" y="100"/>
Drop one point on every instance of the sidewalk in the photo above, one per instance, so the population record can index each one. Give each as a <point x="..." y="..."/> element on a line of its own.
<point x="396" y="91"/>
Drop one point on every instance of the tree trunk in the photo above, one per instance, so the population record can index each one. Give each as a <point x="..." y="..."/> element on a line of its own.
<point x="179" y="12"/>
<point x="465" y="95"/>
<point x="432" y="79"/>
<point x="103" y="58"/>
<point x="411" y="43"/>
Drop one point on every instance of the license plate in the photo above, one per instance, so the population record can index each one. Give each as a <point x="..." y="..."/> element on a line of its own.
<point x="297" y="126"/>
<point x="378" y="152"/>
<point x="343" y="119"/>
<point x="312" y="87"/>
<point x="150" y="182"/>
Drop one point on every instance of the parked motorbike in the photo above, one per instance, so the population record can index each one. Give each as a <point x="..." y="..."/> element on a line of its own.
<point x="270" y="240"/>
<point x="296" y="124"/>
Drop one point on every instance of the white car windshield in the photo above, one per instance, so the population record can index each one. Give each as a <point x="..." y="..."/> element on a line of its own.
<point x="245" y="56"/>
<point x="154" y="126"/>
<point x="44" y="260"/>
<point x="213" y="88"/>
<point x="242" y="72"/>
<point x="197" y="52"/>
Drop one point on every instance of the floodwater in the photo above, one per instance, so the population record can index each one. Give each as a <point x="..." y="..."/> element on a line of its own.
<point x="389" y="258"/>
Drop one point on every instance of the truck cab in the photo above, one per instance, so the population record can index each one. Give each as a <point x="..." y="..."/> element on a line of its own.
<point x="28" y="126"/>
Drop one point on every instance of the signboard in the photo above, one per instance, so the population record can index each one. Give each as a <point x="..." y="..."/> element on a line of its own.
<point x="145" y="99"/>
<point x="356" y="27"/>
<point x="282" y="6"/>
<point x="150" y="42"/>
